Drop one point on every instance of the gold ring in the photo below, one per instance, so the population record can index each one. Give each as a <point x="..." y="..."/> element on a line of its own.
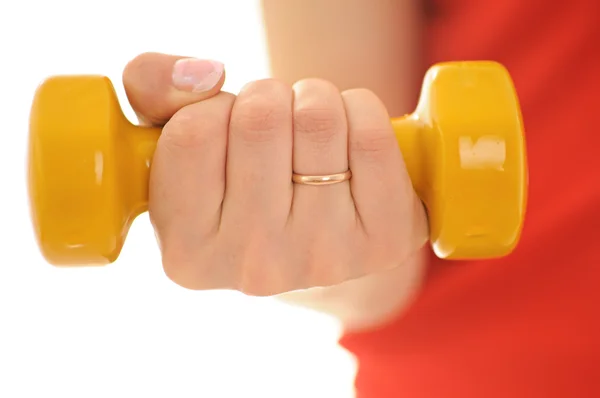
<point x="327" y="179"/>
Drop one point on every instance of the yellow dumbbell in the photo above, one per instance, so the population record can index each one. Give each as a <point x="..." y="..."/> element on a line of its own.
<point x="463" y="146"/>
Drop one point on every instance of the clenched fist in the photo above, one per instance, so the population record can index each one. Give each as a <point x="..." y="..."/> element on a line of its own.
<point x="223" y="201"/>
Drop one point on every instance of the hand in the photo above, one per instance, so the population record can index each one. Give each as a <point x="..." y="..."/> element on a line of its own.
<point x="226" y="212"/>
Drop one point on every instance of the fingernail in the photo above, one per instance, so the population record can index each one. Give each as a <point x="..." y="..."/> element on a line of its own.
<point x="196" y="75"/>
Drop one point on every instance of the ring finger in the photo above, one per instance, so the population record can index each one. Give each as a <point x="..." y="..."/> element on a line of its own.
<point x="320" y="147"/>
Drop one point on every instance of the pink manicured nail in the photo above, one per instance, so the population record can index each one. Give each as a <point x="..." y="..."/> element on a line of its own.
<point x="196" y="75"/>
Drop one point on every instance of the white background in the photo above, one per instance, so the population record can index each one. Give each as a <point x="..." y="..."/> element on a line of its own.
<point x="125" y="330"/>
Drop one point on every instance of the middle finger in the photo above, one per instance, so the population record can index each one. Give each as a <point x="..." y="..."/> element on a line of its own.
<point x="259" y="156"/>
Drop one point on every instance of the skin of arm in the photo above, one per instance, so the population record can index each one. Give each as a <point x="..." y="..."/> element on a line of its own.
<point x="353" y="43"/>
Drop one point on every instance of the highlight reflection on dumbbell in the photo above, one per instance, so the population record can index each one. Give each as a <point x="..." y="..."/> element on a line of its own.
<point x="463" y="146"/>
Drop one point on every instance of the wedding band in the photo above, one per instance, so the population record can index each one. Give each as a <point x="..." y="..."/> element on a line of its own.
<point x="327" y="179"/>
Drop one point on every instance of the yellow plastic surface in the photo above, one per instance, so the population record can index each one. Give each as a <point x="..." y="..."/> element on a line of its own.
<point x="88" y="170"/>
<point x="463" y="146"/>
<point x="465" y="151"/>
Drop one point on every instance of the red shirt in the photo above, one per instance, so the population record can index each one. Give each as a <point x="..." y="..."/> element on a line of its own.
<point x="527" y="325"/>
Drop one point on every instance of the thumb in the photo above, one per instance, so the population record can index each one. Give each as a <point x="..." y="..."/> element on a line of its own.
<point x="158" y="85"/>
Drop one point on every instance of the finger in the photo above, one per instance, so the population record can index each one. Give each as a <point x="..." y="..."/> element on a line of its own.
<point x="188" y="181"/>
<point x="259" y="157"/>
<point x="158" y="85"/>
<point x="320" y="143"/>
<point x="381" y="188"/>
<point x="323" y="215"/>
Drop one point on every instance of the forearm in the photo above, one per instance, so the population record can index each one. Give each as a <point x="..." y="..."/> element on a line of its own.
<point x="351" y="43"/>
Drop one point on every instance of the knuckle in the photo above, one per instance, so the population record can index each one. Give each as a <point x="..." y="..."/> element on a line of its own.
<point x="266" y="87"/>
<point x="364" y="94"/>
<point x="318" y="111"/>
<point x="257" y="121"/>
<point x="371" y="142"/>
<point x="316" y="85"/>
<point x="370" y="136"/>
<point x="191" y="128"/>
<point x="262" y="107"/>
<point x="183" y="131"/>
<point x="318" y="124"/>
